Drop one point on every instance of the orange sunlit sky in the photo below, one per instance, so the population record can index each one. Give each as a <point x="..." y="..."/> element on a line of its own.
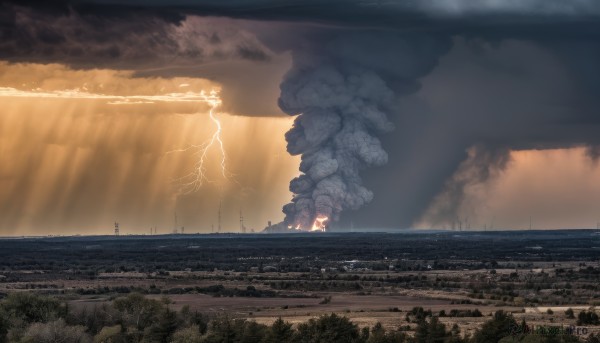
<point x="159" y="115"/>
<point x="73" y="164"/>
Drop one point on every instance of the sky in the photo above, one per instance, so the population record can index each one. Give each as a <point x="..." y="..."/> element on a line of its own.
<point x="382" y="114"/>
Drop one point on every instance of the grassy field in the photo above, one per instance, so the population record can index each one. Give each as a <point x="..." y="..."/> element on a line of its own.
<point x="370" y="278"/>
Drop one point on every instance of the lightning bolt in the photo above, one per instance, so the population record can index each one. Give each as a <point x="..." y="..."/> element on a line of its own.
<point x="194" y="180"/>
<point x="186" y="184"/>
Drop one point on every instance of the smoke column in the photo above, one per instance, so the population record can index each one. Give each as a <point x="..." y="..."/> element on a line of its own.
<point x="341" y="90"/>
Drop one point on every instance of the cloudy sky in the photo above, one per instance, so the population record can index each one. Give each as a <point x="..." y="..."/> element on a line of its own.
<point x="372" y="114"/>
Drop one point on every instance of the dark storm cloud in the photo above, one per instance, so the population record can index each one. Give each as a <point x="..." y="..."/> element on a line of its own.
<point x="397" y="12"/>
<point x="491" y="97"/>
<point x="493" y="18"/>
<point x="150" y="41"/>
<point x="520" y="75"/>
<point x="94" y="36"/>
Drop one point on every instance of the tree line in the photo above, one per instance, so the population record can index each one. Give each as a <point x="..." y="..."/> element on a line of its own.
<point x="29" y="318"/>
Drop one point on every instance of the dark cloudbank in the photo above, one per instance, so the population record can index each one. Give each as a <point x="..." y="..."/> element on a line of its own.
<point x="446" y="15"/>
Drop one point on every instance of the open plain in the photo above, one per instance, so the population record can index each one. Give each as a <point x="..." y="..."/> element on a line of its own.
<point x="463" y="277"/>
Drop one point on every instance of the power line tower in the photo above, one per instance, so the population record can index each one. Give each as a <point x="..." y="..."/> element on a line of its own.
<point x="175" y="223"/>
<point x="242" y="227"/>
<point x="219" y="219"/>
<point x="117" y="229"/>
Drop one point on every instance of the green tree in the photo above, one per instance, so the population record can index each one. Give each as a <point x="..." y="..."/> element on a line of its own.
<point x="376" y="334"/>
<point x="252" y="332"/>
<point x="431" y="331"/>
<point x="418" y="313"/>
<point x="187" y="335"/>
<point x="55" y="331"/>
<point x="379" y="335"/>
<point x="455" y="336"/>
<point x="195" y="319"/>
<point x="4" y="325"/>
<point x="500" y="326"/>
<point x="163" y="329"/>
<point x="328" y="329"/>
<point x="222" y="330"/>
<point x="96" y="318"/>
<point x="569" y="313"/>
<point x="32" y="308"/>
<point x="110" y="334"/>
<point x="587" y="318"/>
<point x="280" y="331"/>
<point x="138" y="311"/>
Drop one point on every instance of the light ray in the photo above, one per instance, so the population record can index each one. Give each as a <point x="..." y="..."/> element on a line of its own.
<point x="111" y="99"/>
<point x="186" y="184"/>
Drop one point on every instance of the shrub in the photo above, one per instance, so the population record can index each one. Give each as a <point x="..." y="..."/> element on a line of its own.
<point x="32" y="308"/>
<point x="328" y="328"/>
<point x="495" y="329"/>
<point x="55" y="331"/>
<point x="280" y="331"/>
<point x="569" y="313"/>
<point x="587" y="318"/>
<point x="109" y="334"/>
<point x="138" y="311"/>
<point x="187" y="335"/>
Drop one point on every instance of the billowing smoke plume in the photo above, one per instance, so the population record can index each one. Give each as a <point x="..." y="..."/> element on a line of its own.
<point x="342" y="90"/>
<point x="481" y="102"/>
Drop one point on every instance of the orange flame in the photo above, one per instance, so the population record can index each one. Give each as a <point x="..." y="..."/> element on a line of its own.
<point x="320" y="224"/>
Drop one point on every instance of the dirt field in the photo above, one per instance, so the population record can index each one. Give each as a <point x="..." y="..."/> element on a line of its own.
<point x="369" y="278"/>
<point x="367" y="310"/>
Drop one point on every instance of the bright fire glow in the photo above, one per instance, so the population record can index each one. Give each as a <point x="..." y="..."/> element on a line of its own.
<point x="320" y="224"/>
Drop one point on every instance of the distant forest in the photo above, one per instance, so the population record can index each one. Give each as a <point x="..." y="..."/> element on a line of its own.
<point x="30" y="318"/>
